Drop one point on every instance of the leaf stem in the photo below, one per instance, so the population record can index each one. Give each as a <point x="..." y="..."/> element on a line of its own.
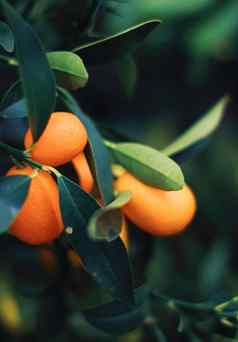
<point x="174" y="304"/>
<point x="20" y="155"/>
<point x="9" y="60"/>
<point x="225" y="305"/>
<point x="109" y="144"/>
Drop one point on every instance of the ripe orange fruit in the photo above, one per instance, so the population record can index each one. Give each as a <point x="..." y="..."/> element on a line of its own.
<point x="75" y="259"/>
<point x="63" y="138"/>
<point x="83" y="171"/>
<point x="39" y="220"/>
<point x="156" y="211"/>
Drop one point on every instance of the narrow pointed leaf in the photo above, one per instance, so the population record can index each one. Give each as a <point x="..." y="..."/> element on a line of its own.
<point x="6" y="37"/>
<point x="36" y="75"/>
<point x="199" y="132"/>
<point x="107" y="49"/>
<point x="99" y="155"/>
<point x="13" y="192"/>
<point x="100" y="259"/>
<point x="70" y="70"/>
<point x="149" y="165"/>
<point x="106" y="222"/>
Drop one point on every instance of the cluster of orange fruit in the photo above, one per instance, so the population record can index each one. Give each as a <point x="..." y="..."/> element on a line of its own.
<point x="39" y="221"/>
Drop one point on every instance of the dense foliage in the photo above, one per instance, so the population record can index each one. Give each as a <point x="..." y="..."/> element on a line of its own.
<point x="151" y="82"/>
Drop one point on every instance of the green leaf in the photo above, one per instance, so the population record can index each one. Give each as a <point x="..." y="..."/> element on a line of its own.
<point x="99" y="155"/>
<point x="115" y="16"/>
<point x="70" y="70"/>
<point x="149" y="165"/>
<point x="107" y="49"/>
<point x="106" y="222"/>
<point x="13" y="116"/>
<point x="207" y="38"/>
<point x="13" y="130"/>
<point x="5" y="161"/>
<point x="213" y="266"/>
<point x="202" y="129"/>
<point x="13" y="94"/>
<point x="13" y="191"/>
<point x="127" y="72"/>
<point x="100" y="259"/>
<point x="16" y="110"/>
<point x="37" y="78"/>
<point x="118" y="318"/>
<point x="6" y="37"/>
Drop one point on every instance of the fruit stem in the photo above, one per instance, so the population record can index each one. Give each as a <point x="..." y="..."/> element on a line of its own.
<point x="221" y="307"/>
<point x="53" y="170"/>
<point x="173" y="304"/>
<point x="117" y="170"/>
<point x="109" y="144"/>
<point x="9" y="60"/>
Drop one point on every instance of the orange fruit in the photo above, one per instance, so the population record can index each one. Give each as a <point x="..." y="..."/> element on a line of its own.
<point x="39" y="220"/>
<point x="83" y="171"/>
<point x="63" y="138"/>
<point x="75" y="259"/>
<point x="156" y="211"/>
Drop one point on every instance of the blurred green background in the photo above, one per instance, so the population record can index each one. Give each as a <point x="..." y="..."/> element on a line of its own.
<point x="179" y="71"/>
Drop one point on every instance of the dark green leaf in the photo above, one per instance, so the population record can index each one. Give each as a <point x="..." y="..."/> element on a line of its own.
<point x="105" y="50"/>
<point x="6" y="37"/>
<point x="52" y="314"/>
<point x="5" y="162"/>
<point x="118" y="317"/>
<point x="176" y="8"/>
<point x="13" y="191"/>
<point x="16" y="110"/>
<point x="202" y="129"/>
<point x="13" y="117"/>
<point x="115" y="16"/>
<point x="154" y="333"/>
<point x="208" y="36"/>
<point x="37" y="78"/>
<point x="28" y="271"/>
<point x="213" y="266"/>
<point x="149" y="165"/>
<point x="100" y="259"/>
<point x="100" y="158"/>
<point x="13" y="130"/>
<point x="13" y="94"/>
<point x="70" y="70"/>
<point x="127" y="72"/>
<point x="106" y="222"/>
